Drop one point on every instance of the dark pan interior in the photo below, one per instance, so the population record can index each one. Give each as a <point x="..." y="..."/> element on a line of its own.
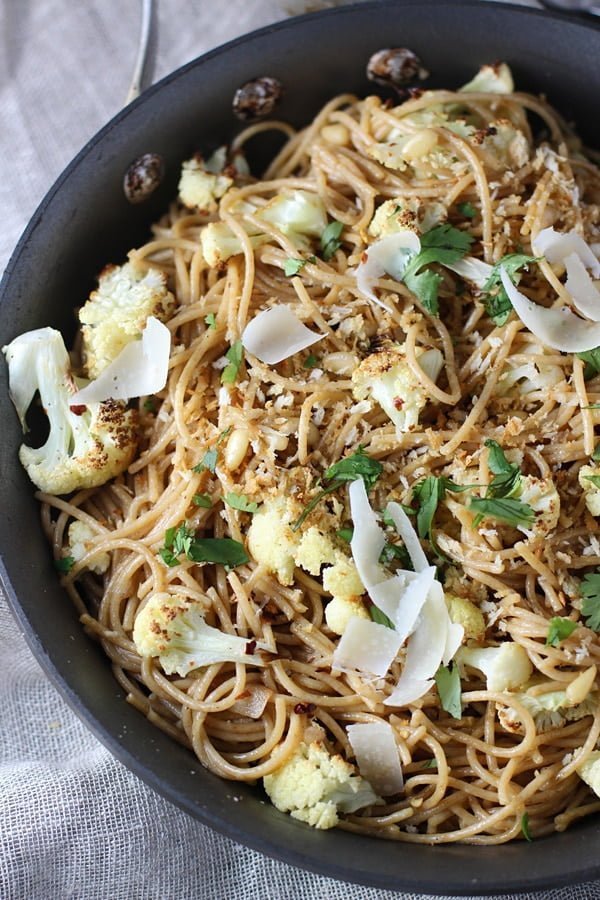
<point x="85" y="222"/>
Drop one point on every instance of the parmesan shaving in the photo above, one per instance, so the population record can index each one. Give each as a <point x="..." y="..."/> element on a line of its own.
<point x="377" y="757"/>
<point x="368" y="539"/>
<point x="585" y="295"/>
<point x="276" y="334"/>
<point x="366" y="647"/>
<point x="409" y="536"/>
<point x="387" y="256"/>
<point x="556" y="247"/>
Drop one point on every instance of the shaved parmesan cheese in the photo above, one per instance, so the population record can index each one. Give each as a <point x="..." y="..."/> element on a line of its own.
<point x="556" y="247"/>
<point x="474" y="270"/>
<point x="585" y="295"/>
<point x="276" y="334"/>
<point x="403" y="600"/>
<point x="409" y="536"/>
<point x="387" y="256"/>
<point x="368" y="539"/>
<point x="454" y="639"/>
<point x="367" y="647"/>
<point x="377" y="756"/>
<point x="141" y="368"/>
<point x="560" y="329"/>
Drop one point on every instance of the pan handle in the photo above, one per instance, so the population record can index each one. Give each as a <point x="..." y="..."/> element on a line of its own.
<point x="146" y="53"/>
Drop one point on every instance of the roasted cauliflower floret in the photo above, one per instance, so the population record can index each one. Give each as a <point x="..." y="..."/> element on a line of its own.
<point x="541" y="495"/>
<point x="271" y="541"/>
<point x="343" y="582"/>
<point x="173" y="628"/>
<point x="81" y="541"/>
<point x="589" y="771"/>
<point x="494" y="79"/>
<point x="590" y="490"/>
<point x="340" y="610"/>
<point x="506" y="667"/>
<point x="199" y="188"/>
<point x="117" y="311"/>
<point x="315" y="787"/>
<point x="549" y="710"/>
<point x="386" y="377"/>
<point x="394" y="215"/>
<point x="463" y="612"/>
<point x="314" y="550"/>
<point x="87" y="445"/>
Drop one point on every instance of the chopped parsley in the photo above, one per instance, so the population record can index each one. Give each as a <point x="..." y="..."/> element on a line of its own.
<point x="357" y="465"/>
<point x="211" y="320"/>
<point x="590" y="608"/>
<point x="591" y="359"/>
<point x="596" y="453"/>
<point x="505" y="509"/>
<point x="182" y="541"/>
<point x="595" y="479"/>
<point x="380" y="618"/>
<point x="499" y="501"/>
<point x="467" y="210"/>
<point x="202" y="500"/>
<point x="429" y="493"/>
<point x="507" y="476"/>
<point x="443" y="244"/>
<point x="447" y="681"/>
<point x="64" y="564"/>
<point x="345" y="534"/>
<point x="330" y="239"/>
<point x="292" y="266"/>
<point x="150" y="405"/>
<point x="395" y="552"/>
<point x="430" y="763"/>
<point x="235" y="355"/>
<point x="209" y="460"/>
<point x="495" y="299"/>
<point x="525" y="830"/>
<point x="241" y="502"/>
<point x="559" y="629"/>
<point x="311" y="361"/>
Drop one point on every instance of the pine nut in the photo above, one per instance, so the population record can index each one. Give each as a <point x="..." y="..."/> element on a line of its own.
<point x="237" y="447"/>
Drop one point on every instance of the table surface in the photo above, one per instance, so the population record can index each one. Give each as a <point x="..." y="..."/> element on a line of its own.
<point x="75" y="823"/>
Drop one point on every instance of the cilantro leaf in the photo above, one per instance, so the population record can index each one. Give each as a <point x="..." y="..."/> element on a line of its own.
<point x="378" y="616"/>
<point x="211" y="320"/>
<point x="591" y="359"/>
<point x="293" y="266"/>
<point x="64" y="564"/>
<point x="447" y="681"/>
<point x="467" y="210"/>
<point x="241" y="502"/>
<point x="182" y="541"/>
<point x="503" y="509"/>
<point x="590" y="608"/>
<point x="150" y="405"/>
<point x="495" y="299"/>
<point x="525" y="828"/>
<point x="443" y="244"/>
<point x="209" y="460"/>
<point x="559" y="628"/>
<point x="507" y="476"/>
<point x="330" y="239"/>
<point x="345" y="534"/>
<point x="310" y="362"/>
<point x="429" y="493"/>
<point x="596" y="453"/>
<point x="235" y="355"/>
<point x="202" y="500"/>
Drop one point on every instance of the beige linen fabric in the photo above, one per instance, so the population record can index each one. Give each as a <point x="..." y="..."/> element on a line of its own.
<point x="74" y="822"/>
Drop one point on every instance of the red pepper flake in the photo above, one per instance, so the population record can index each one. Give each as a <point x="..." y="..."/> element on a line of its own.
<point x="78" y="410"/>
<point x="398" y="402"/>
<point x="304" y="708"/>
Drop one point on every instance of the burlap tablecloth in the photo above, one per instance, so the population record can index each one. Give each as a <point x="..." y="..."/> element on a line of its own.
<point x="74" y="823"/>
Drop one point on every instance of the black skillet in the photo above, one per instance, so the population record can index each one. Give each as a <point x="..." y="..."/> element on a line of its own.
<point x="85" y="221"/>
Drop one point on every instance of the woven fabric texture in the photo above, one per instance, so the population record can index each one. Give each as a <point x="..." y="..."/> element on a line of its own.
<point x="75" y="823"/>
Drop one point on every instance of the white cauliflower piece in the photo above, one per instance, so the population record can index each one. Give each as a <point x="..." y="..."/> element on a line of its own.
<point x="81" y="540"/>
<point x="549" y="710"/>
<point x="494" y="79"/>
<point x="528" y="378"/>
<point x="394" y="215"/>
<point x="343" y="582"/>
<point x="387" y="378"/>
<point x="116" y="313"/>
<point x="87" y="445"/>
<point x="589" y="771"/>
<point x="219" y="243"/>
<point x="506" y="667"/>
<point x="315" y="787"/>
<point x="271" y="541"/>
<point x="502" y="146"/>
<point x="541" y="495"/>
<point x="199" y="188"/>
<point x="314" y="550"/>
<point x="173" y="628"/>
<point x="340" y="610"/>
<point x="463" y="612"/>
<point x="299" y="214"/>
<point x="590" y="490"/>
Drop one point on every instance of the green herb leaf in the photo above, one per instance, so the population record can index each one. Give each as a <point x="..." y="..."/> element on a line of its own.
<point x="443" y="244"/>
<point x="209" y="460"/>
<point x="596" y="453"/>
<point x="235" y="355"/>
<point x="559" y="629"/>
<point x="241" y="502"/>
<point x="429" y="493"/>
<point x="505" y="509"/>
<point x="447" y="681"/>
<point x="330" y="239"/>
<point x="430" y="764"/>
<point x="467" y="210"/>
<point x="150" y="405"/>
<point x="311" y="361"/>
<point x="525" y="828"/>
<point x="378" y="616"/>
<point x="64" y="564"/>
<point x="507" y="476"/>
<point x="202" y="500"/>
<point x="345" y="534"/>
<point x="590" y="608"/>
<point x="595" y="479"/>
<point x="396" y="552"/>
<point x="211" y="320"/>
<point x="177" y="541"/>
<point x="225" y="551"/>
<point x="357" y="465"/>
<point x="292" y="266"/>
<point x="591" y="359"/>
<point x="495" y="299"/>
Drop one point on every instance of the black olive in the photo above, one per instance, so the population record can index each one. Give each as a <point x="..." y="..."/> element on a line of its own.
<point x="257" y="98"/>
<point x="143" y="177"/>
<point x="395" y="67"/>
